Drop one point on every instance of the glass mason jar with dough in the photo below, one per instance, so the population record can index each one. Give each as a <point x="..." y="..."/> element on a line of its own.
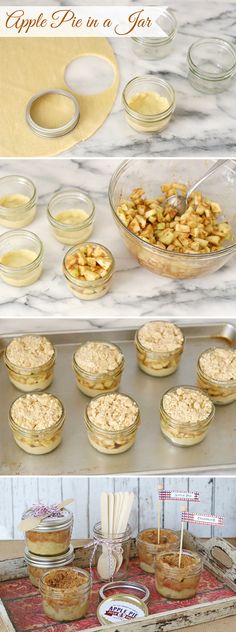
<point x="65" y="593"/>
<point x="148" y="546"/>
<point x="149" y="103"/>
<point x="21" y="258"/>
<point x="30" y="362"/>
<point x="98" y="367"/>
<point x="159" y="346"/>
<point x="71" y="215"/>
<point x="88" y="269"/>
<point x="18" y="199"/>
<point x="112" y="421"/>
<point x="36" y="421"/>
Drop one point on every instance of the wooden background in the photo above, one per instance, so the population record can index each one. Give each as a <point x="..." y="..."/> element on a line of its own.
<point x="217" y="496"/>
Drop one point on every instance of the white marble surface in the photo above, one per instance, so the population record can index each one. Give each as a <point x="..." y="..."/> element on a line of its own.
<point x="202" y="124"/>
<point x="135" y="292"/>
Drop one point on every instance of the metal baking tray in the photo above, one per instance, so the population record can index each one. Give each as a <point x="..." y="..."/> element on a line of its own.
<point x="151" y="454"/>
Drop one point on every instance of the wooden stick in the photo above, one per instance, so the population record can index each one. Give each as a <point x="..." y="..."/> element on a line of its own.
<point x="159" y="487"/>
<point x="183" y="508"/>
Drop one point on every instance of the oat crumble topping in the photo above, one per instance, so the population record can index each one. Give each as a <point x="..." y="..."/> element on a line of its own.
<point x="187" y="406"/>
<point x="219" y="364"/>
<point x="160" y="336"/>
<point x="29" y="352"/>
<point x="112" y="412"/>
<point x="98" y="357"/>
<point x="65" y="579"/>
<point x="36" y="411"/>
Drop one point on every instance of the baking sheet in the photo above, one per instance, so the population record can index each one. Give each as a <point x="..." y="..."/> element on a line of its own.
<point x="24" y="604"/>
<point x="151" y="454"/>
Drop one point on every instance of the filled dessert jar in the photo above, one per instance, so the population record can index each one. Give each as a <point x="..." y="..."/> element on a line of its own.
<point x="112" y="554"/>
<point x="38" y="565"/>
<point x="149" y="103"/>
<point x="216" y="375"/>
<point x="148" y="547"/>
<point x="21" y="258"/>
<point x="159" y="346"/>
<point x="18" y="200"/>
<point x="178" y="582"/>
<point x="71" y="216"/>
<point x="36" y="421"/>
<point x="65" y="593"/>
<point x="30" y="362"/>
<point x="112" y="421"/>
<point x="88" y="269"/>
<point x="98" y="367"/>
<point x="52" y="536"/>
<point x="186" y="413"/>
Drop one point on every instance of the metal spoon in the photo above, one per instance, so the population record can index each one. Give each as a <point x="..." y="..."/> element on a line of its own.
<point x="180" y="201"/>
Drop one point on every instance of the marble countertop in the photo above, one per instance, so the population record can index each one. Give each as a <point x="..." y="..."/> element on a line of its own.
<point x="202" y="124"/>
<point x="135" y="291"/>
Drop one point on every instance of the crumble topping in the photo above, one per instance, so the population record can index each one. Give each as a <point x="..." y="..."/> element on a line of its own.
<point x="173" y="560"/>
<point x="219" y="364"/>
<point x="98" y="357"/>
<point x="29" y="352"/>
<point x="187" y="406"/>
<point x="112" y="412"/>
<point x="160" y="336"/>
<point x="36" y="411"/>
<point x="65" y="579"/>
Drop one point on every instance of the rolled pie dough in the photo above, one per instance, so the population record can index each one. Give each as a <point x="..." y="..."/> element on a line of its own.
<point x="29" y="66"/>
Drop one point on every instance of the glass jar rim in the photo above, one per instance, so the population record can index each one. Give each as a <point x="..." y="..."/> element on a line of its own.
<point x="21" y="234"/>
<point x="43" y="431"/>
<point x="47" y="561"/>
<point x="206" y="74"/>
<point x="112" y="433"/>
<point x="154" y="41"/>
<point x="149" y="118"/>
<point x="85" y="283"/>
<point x="26" y="370"/>
<point x="200" y="422"/>
<point x="222" y="383"/>
<point x="155" y="352"/>
<point x="124" y="536"/>
<point x="25" y="205"/>
<point x="154" y="545"/>
<point x="58" y="592"/>
<point x="94" y="376"/>
<point x="154" y="249"/>
<point x="80" y="194"/>
<point x="185" y="553"/>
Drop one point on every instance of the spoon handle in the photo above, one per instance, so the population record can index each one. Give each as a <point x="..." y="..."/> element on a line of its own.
<point x="212" y="169"/>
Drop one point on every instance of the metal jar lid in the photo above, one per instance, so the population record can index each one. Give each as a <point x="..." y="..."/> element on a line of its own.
<point x="121" y="608"/>
<point x="53" y="132"/>
<point x="138" y="590"/>
<point x="49" y="561"/>
<point x="54" y="523"/>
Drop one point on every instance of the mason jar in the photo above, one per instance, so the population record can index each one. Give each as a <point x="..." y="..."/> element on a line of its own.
<point x="181" y="432"/>
<point x="144" y="86"/>
<point x="32" y="378"/>
<point x="18" y="200"/>
<point x="153" y="48"/>
<point x="38" y="565"/>
<point x="148" y="547"/>
<point x="155" y="362"/>
<point x="71" y="216"/>
<point x="111" y="441"/>
<point x="21" y="258"/>
<point x="64" y="601"/>
<point x="52" y="536"/>
<point x="88" y="290"/>
<point x="212" y="64"/>
<point x="95" y="383"/>
<point x="221" y="392"/>
<point x="112" y="554"/>
<point x="40" y="441"/>
<point x="174" y="582"/>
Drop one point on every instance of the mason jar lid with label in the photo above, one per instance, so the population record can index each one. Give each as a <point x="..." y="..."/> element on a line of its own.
<point x="121" y="608"/>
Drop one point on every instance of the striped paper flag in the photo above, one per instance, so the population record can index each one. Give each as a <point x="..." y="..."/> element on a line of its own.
<point x="207" y="519"/>
<point x="183" y="496"/>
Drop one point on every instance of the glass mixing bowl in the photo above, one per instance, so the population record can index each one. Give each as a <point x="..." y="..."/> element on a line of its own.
<point x="147" y="174"/>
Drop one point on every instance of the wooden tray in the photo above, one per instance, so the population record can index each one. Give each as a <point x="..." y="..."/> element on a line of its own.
<point x="21" y="608"/>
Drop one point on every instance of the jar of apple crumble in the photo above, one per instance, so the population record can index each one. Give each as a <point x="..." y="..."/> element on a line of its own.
<point x="112" y="421"/>
<point x="38" y="565"/>
<point x="52" y="536"/>
<point x="174" y="582"/>
<point x="18" y="199"/>
<point x="30" y="361"/>
<point x="216" y="375"/>
<point x="37" y="421"/>
<point x="186" y="413"/>
<point x="148" y="547"/>
<point x="65" y="593"/>
<point x="112" y="554"/>
<point x="98" y="367"/>
<point x="159" y="347"/>
<point x="71" y="215"/>
<point x="88" y="269"/>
